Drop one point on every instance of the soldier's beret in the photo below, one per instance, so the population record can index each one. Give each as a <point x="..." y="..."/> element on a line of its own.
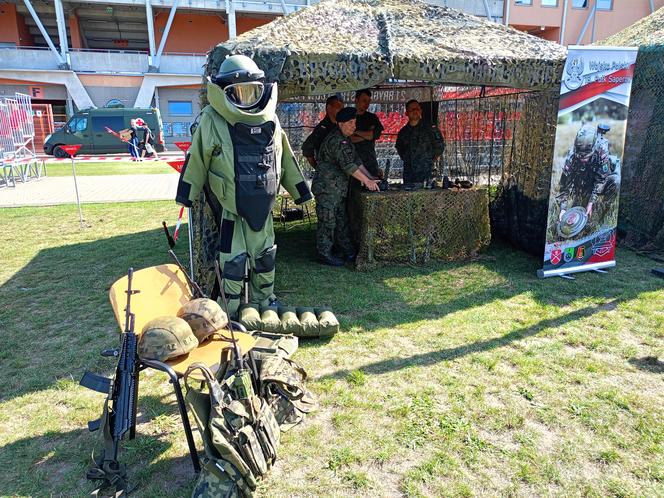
<point x="346" y="114"/>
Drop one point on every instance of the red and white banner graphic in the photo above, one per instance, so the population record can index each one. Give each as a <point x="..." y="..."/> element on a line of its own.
<point x="588" y="152"/>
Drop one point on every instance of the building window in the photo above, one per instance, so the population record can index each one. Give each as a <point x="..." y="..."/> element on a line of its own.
<point x="523" y="2"/>
<point x="579" y="4"/>
<point x="549" y="3"/>
<point x="180" y="108"/>
<point x="604" y="4"/>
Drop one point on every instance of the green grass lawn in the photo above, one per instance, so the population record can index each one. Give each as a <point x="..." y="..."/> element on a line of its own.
<point x="454" y="379"/>
<point x="109" y="168"/>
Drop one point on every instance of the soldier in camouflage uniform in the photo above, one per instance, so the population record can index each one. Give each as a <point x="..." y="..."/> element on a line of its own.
<point x="419" y="145"/>
<point x="312" y="143"/>
<point x="338" y="160"/>
<point x="588" y="172"/>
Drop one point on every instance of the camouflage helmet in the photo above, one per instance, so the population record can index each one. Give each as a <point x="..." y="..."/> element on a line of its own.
<point x="166" y="337"/>
<point x="584" y="143"/>
<point x="204" y="316"/>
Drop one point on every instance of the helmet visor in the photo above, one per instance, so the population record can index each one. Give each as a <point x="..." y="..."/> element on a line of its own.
<point x="244" y="95"/>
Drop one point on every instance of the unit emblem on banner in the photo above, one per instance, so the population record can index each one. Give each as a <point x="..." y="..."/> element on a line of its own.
<point x="568" y="254"/>
<point x="575" y="68"/>
<point x="580" y="252"/>
<point x="603" y="244"/>
<point x="556" y="256"/>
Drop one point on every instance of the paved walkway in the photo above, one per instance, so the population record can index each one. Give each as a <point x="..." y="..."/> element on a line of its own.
<point x="50" y="191"/>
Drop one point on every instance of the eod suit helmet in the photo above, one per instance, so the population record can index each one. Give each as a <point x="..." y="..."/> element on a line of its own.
<point x="242" y="81"/>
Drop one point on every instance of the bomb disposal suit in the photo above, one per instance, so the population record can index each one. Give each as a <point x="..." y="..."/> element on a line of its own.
<point x="241" y="154"/>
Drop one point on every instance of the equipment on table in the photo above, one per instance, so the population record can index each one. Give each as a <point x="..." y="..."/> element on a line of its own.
<point x="384" y="184"/>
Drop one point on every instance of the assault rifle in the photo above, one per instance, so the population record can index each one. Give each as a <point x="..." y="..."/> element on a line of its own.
<point x="119" y="416"/>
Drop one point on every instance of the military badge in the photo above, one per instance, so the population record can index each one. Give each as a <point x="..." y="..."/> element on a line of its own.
<point x="556" y="256"/>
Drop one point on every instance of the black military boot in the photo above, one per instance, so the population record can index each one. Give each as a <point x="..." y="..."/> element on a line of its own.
<point x="330" y="260"/>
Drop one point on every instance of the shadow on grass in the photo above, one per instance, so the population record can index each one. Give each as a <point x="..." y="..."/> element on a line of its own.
<point x="55" y="312"/>
<point x="649" y="364"/>
<point x="56" y="318"/>
<point x="59" y="317"/>
<point x="431" y="358"/>
<point x="57" y="462"/>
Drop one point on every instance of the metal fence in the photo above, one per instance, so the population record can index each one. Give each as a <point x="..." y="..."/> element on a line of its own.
<point x="17" y="141"/>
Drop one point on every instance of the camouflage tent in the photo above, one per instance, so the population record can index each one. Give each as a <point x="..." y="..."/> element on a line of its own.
<point x="344" y="45"/>
<point x="339" y="45"/>
<point x="641" y="214"/>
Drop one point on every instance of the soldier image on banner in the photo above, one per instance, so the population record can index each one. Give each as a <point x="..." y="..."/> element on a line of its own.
<point x="590" y="180"/>
<point x="585" y="183"/>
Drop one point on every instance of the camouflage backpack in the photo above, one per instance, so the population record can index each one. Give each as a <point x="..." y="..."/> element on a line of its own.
<point x="282" y="385"/>
<point x="240" y="443"/>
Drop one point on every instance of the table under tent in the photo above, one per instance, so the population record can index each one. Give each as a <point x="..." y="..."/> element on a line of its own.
<point x="641" y="215"/>
<point x="492" y="90"/>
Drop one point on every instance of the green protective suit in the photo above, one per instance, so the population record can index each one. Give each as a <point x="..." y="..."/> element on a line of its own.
<point x="239" y="158"/>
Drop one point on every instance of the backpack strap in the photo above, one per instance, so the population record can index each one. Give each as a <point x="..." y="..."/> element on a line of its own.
<point x="216" y="393"/>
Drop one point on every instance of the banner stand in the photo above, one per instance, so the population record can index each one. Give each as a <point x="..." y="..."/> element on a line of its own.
<point x="565" y="272"/>
<point x="587" y="161"/>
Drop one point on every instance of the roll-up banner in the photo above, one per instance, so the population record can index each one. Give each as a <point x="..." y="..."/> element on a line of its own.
<point x="585" y="181"/>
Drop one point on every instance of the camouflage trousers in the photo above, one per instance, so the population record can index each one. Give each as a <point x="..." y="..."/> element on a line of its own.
<point x="333" y="225"/>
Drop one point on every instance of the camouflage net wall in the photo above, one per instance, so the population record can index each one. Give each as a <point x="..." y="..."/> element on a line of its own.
<point x="520" y="209"/>
<point x="205" y="243"/>
<point x="641" y="214"/>
<point x="414" y="227"/>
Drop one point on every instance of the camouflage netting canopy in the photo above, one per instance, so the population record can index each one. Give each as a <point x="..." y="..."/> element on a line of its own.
<point x="340" y="45"/>
<point x="641" y="214"/>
